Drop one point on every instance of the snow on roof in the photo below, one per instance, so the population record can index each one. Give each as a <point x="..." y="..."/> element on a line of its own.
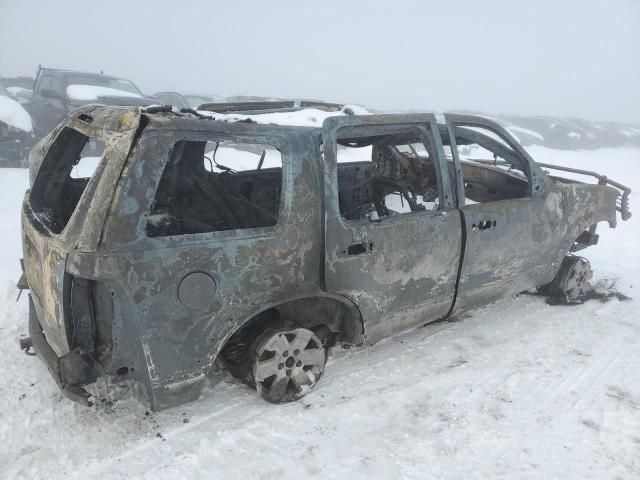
<point x="306" y="117"/>
<point x="93" y="92"/>
<point x="14" y="115"/>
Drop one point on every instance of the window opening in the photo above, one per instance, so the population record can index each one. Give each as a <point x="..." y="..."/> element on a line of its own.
<point x="210" y="186"/>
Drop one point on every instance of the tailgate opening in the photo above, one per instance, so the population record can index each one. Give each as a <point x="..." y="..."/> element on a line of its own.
<point x="63" y="177"/>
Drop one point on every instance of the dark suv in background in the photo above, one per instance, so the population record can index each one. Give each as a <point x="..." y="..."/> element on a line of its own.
<point x="56" y="92"/>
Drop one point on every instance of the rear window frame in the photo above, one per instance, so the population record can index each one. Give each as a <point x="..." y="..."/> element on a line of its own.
<point x="221" y="139"/>
<point x="141" y="161"/>
<point x="45" y="172"/>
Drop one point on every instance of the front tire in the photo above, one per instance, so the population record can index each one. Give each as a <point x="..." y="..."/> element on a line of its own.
<point x="571" y="283"/>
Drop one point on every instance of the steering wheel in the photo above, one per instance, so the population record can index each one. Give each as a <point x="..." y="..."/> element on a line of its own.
<point x="382" y="186"/>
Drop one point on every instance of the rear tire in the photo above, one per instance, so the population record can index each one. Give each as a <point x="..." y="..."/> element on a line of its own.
<point x="286" y="364"/>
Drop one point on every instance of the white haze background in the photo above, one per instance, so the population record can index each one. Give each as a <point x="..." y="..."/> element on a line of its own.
<point x="574" y="58"/>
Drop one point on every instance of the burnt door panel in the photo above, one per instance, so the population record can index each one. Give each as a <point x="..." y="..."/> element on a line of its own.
<point x="507" y="234"/>
<point x="506" y="243"/>
<point x="401" y="270"/>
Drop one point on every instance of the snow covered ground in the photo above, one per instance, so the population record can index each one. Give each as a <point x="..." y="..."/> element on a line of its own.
<point x="518" y="389"/>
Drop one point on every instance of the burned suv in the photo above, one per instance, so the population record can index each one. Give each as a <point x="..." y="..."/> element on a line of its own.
<point x="215" y="241"/>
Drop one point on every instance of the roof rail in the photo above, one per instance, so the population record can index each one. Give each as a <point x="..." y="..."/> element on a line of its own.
<point x="268" y="106"/>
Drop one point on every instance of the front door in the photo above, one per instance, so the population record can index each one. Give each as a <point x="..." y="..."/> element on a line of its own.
<point x="501" y="194"/>
<point x="392" y="233"/>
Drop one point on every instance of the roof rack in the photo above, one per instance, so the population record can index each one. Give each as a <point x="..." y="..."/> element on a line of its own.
<point x="250" y="108"/>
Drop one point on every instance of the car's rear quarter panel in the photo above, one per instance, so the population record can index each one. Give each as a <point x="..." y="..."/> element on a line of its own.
<point x="252" y="269"/>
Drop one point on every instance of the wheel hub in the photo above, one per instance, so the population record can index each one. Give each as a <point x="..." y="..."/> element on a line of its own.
<point x="288" y="363"/>
<point x="577" y="280"/>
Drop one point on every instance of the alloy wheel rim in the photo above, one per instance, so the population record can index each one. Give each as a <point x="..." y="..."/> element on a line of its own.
<point x="577" y="283"/>
<point x="288" y="363"/>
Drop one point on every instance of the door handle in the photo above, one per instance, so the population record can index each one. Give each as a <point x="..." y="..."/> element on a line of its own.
<point x="358" y="248"/>
<point x="483" y="225"/>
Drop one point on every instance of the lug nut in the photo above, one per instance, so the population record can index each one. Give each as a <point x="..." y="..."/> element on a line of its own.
<point x="299" y="363"/>
<point x="285" y="354"/>
<point x="281" y="366"/>
<point x="288" y="373"/>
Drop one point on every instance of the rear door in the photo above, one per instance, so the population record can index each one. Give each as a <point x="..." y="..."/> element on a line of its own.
<point x="395" y="255"/>
<point x="501" y="194"/>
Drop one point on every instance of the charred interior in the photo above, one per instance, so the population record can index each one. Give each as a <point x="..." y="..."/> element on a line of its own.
<point x="486" y="183"/>
<point x="398" y="177"/>
<point x="491" y="169"/>
<point x="201" y="192"/>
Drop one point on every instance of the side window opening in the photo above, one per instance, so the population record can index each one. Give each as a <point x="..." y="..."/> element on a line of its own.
<point x="45" y="82"/>
<point x="491" y="169"/>
<point x="89" y="159"/>
<point x="211" y="186"/>
<point x="63" y="176"/>
<point x="56" y="84"/>
<point x="384" y="175"/>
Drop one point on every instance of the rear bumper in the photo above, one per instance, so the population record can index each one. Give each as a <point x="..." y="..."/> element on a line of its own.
<point x="70" y="372"/>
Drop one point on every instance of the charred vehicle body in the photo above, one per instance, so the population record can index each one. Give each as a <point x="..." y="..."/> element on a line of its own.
<point x="199" y="243"/>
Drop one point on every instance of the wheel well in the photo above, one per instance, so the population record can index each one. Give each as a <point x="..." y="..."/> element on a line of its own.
<point x="333" y="320"/>
<point x="342" y="319"/>
<point x="587" y="238"/>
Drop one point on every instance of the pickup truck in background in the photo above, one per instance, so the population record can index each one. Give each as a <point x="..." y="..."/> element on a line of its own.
<point x="56" y="92"/>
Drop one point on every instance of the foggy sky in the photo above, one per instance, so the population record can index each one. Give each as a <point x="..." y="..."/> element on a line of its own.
<point x="577" y="58"/>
